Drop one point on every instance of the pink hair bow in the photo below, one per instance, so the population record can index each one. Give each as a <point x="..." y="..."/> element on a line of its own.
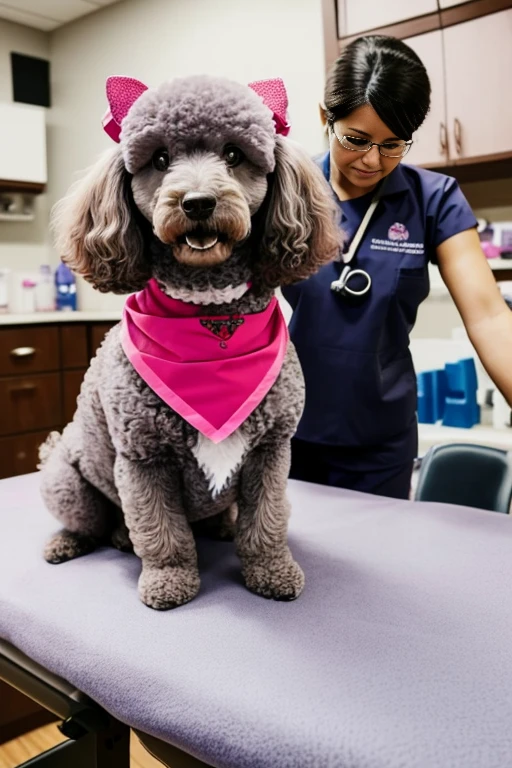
<point x="122" y="93"/>
<point x="273" y="93"/>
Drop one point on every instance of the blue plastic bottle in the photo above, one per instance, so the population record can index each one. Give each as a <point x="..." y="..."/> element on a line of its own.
<point x="65" y="289"/>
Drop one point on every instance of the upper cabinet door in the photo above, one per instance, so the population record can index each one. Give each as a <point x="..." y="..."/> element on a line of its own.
<point x="430" y="141"/>
<point x="478" y="57"/>
<point x="23" y="143"/>
<point x="360" y="15"/>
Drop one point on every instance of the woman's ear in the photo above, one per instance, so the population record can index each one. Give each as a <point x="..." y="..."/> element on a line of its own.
<point x="323" y="116"/>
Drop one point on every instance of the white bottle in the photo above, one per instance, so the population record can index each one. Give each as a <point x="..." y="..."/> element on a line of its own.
<point x="500" y="411"/>
<point x="28" y="296"/>
<point x="4" y="290"/>
<point x="45" y="290"/>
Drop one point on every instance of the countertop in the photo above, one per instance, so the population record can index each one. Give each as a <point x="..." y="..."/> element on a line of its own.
<point x="497" y="264"/>
<point x="481" y="434"/>
<point x="60" y="317"/>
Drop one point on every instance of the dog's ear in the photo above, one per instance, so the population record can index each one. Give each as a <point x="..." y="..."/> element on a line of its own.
<point x="302" y="231"/>
<point x="97" y="229"/>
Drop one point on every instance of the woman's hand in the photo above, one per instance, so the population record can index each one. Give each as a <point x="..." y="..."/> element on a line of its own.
<point x="487" y="318"/>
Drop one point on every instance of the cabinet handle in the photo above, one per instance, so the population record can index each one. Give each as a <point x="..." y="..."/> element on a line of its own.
<point x="443" y="139"/>
<point x="23" y="352"/>
<point x="457" y="130"/>
<point x="27" y="387"/>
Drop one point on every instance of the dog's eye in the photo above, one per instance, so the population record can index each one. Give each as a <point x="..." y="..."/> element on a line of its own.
<point x="161" y="160"/>
<point x="233" y="156"/>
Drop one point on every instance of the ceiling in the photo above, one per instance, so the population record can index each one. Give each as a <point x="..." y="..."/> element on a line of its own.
<point x="48" y="14"/>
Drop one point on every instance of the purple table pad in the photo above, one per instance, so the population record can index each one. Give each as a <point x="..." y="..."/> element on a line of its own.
<point x="397" y="655"/>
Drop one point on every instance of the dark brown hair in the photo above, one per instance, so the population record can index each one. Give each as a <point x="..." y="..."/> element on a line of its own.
<point x="386" y="74"/>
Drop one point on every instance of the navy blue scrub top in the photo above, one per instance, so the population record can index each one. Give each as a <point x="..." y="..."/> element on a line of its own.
<point x="360" y="379"/>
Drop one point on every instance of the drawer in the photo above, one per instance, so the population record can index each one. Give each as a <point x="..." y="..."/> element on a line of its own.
<point x="19" y="455"/>
<point x="29" y="349"/>
<point x="97" y="334"/>
<point x="29" y="403"/>
<point x="73" y="346"/>
<point x="72" y="383"/>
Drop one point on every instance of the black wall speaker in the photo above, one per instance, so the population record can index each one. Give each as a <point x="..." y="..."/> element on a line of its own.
<point x="30" y="80"/>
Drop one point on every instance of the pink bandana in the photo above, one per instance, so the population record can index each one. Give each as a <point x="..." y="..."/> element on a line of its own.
<point x="213" y="371"/>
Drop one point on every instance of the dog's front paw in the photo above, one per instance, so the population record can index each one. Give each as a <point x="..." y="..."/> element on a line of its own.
<point x="278" y="579"/>
<point x="168" y="587"/>
<point x="66" y="546"/>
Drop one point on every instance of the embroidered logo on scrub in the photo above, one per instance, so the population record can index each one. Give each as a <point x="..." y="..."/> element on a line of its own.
<point x="398" y="231"/>
<point x="397" y="241"/>
<point x="223" y="329"/>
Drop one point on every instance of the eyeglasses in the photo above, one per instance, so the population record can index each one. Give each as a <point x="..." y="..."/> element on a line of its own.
<point x="388" y="148"/>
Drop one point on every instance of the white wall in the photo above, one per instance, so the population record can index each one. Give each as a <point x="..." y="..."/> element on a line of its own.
<point x="23" y="246"/>
<point x="156" y="40"/>
<point x="14" y="37"/>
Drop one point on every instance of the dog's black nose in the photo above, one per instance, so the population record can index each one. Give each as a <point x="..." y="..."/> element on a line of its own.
<point x="198" y="206"/>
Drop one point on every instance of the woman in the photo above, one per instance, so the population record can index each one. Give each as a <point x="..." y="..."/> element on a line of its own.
<point x="359" y="428"/>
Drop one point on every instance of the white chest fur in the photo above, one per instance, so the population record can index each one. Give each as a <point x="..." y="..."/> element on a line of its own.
<point x="219" y="461"/>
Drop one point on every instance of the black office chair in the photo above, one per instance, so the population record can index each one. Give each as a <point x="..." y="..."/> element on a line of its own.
<point x="469" y="475"/>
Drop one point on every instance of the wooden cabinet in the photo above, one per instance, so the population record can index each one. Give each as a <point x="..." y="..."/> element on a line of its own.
<point x="431" y="141"/>
<point x="41" y="371"/>
<point x="97" y="333"/>
<point x="19" y="454"/>
<point x="359" y="15"/>
<point x="74" y="346"/>
<point x="478" y="56"/>
<point x="456" y="130"/>
<point x="71" y="390"/>
<point x="28" y="349"/>
<point x="30" y="402"/>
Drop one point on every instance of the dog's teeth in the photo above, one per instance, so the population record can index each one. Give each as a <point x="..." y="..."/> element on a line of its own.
<point x="201" y="243"/>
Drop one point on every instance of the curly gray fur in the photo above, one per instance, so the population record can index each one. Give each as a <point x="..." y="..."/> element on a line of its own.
<point x="198" y="111"/>
<point x="128" y="469"/>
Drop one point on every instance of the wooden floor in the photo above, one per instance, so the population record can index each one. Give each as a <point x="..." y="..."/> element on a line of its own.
<point x="18" y="751"/>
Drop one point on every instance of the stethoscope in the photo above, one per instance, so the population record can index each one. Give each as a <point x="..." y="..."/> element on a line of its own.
<point x="359" y="278"/>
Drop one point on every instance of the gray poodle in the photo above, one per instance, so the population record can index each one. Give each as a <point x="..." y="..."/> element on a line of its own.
<point x="205" y="200"/>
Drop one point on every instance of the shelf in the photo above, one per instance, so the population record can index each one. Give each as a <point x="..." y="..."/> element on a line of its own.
<point x="17" y="217"/>
<point x="438" y="288"/>
<point x="25" y="187"/>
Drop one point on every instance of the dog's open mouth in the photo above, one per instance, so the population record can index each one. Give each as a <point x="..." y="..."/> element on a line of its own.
<point x="201" y="241"/>
<point x="202" y="248"/>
